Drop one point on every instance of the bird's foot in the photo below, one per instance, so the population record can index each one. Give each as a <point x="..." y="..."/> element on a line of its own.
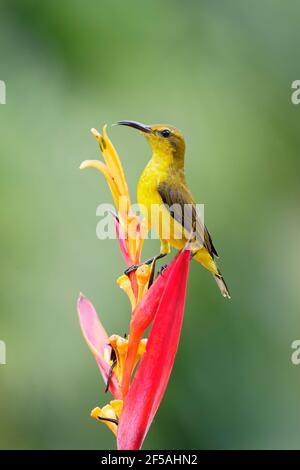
<point x="131" y="269"/>
<point x="149" y="261"/>
<point x="134" y="267"/>
<point x="151" y="278"/>
<point x="162" y="268"/>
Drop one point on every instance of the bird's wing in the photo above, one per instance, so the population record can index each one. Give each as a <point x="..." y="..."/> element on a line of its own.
<point x="179" y="202"/>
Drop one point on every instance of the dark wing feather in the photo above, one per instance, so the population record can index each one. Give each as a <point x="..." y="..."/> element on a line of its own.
<point x="176" y="197"/>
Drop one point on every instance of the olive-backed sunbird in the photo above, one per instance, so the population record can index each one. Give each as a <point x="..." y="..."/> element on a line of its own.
<point x="163" y="185"/>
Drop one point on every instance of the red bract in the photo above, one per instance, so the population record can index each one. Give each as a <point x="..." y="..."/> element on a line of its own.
<point x="142" y="316"/>
<point x="153" y="372"/>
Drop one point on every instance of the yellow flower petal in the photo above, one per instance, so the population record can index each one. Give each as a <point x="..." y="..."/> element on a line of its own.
<point x="141" y="350"/>
<point x="114" y="164"/>
<point x="142" y="347"/>
<point x="142" y="276"/>
<point x="105" y="171"/>
<point x="117" y="405"/>
<point x="120" y="346"/>
<point x="132" y="223"/>
<point x="125" y="284"/>
<point x="111" y="411"/>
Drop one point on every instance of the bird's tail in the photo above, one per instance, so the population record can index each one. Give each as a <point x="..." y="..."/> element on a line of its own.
<point x="204" y="257"/>
<point x="222" y="285"/>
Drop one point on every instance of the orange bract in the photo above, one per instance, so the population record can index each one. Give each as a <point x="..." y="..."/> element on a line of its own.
<point x="134" y="232"/>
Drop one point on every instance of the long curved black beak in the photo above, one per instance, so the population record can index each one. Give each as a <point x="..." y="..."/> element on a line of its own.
<point x="136" y="125"/>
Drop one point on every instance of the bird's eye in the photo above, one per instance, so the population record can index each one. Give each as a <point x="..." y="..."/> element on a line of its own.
<point x="165" y="133"/>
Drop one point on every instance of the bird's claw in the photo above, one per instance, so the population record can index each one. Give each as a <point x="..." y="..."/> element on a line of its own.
<point x="134" y="267"/>
<point x="131" y="269"/>
<point x="162" y="268"/>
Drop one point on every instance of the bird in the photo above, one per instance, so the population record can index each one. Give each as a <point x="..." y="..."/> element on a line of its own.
<point x="167" y="202"/>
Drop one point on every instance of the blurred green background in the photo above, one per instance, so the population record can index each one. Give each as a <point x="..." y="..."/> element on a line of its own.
<point x="221" y="71"/>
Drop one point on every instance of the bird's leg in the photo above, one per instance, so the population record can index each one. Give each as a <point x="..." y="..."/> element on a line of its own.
<point x="134" y="267"/>
<point x="149" y="261"/>
<point x="164" y="251"/>
<point x="151" y="278"/>
<point x="162" y="268"/>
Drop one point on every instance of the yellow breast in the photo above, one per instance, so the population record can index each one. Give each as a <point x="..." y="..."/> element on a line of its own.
<point x="147" y="193"/>
<point x="152" y="205"/>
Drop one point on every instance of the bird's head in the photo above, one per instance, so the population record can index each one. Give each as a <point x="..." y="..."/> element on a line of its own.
<point x="165" y="140"/>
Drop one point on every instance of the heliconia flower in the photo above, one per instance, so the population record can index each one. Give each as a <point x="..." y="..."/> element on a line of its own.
<point x="141" y="318"/>
<point x="164" y="305"/>
<point x="135" y="370"/>
<point x="154" y="369"/>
